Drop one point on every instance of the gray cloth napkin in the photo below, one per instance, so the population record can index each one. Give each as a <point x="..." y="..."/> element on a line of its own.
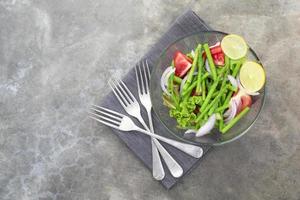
<point x="140" y="144"/>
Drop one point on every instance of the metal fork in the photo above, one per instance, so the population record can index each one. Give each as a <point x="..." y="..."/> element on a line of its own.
<point x="132" y="107"/>
<point x="142" y="73"/>
<point x="122" y="122"/>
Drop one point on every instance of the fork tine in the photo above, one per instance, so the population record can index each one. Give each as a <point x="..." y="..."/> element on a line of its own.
<point x="148" y="71"/>
<point x="141" y="78"/>
<point x="127" y="90"/>
<point x="107" y="114"/>
<point x="137" y="78"/>
<point x="118" y="93"/>
<point x="110" y="111"/>
<point x="146" y="78"/>
<point x="101" y="116"/>
<point x="122" y="92"/>
<point x="104" y="122"/>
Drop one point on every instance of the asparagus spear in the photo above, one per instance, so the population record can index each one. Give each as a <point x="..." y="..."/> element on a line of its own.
<point x="235" y="120"/>
<point x="174" y="97"/>
<point x="207" y="107"/>
<point x="234" y="89"/>
<point x="177" y="79"/>
<point x="203" y="90"/>
<point x="192" y="70"/>
<point x="236" y="68"/>
<point x="199" y="76"/>
<point x="210" y="93"/>
<point x="210" y="61"/>
<point x="221" y="124"/>
<point x="222" y="108"/>
<point x="189" y="89"/>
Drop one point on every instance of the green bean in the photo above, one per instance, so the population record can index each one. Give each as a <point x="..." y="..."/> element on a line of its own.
<point x="177" y="79"/>
<point x="215" y="94"/>
<point x="199" y="75"/>
<point x="170" y="82"/>
<point x="223" y="97"/>
<point x="167" y="102"/>
<point x="208" y="84"/>
<point x="232" y="65"/>
<point x="210" y="93"/>
<point x="189" y="89"/>
<point x="235" y="120"/>
<point x="225" y="68"/>
<point x="221" y="124"/>
<point x="228" y="97"/>
<point x="205" y="76"/>
<point x="210" y="61"/>
<point x="234" y="89"/>
<point x="171" y="90"/>
<point x="192" y="70"/>
<point x="213" y="108"/>
<point x="236" y="69"/>
<point x="203" y="90"/>
<point x="222" y="108"/>
<point x="215" y="101"/>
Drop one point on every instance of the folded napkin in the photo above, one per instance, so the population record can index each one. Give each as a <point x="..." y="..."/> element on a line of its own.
<point x="140" y="144"/>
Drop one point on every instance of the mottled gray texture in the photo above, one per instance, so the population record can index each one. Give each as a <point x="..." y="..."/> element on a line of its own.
<point x="55" y="59"/>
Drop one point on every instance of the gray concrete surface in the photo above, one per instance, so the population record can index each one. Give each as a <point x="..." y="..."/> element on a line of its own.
<point x="55" y="59"/>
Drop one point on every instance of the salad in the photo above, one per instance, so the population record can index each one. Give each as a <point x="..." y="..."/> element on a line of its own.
<point x="211" y="86"/>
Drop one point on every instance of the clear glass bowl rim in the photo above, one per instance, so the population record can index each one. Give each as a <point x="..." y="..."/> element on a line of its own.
<point x="213" y="144"/>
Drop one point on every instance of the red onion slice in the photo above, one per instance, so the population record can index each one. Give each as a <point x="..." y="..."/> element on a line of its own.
<point x="207" y="66"/>
<point x="164" y="79"/>
<point x="233" y="81"/>
<point x="233" y="106"/>
<point x="184" y="80"/>
<point x="205" y="129"/>
<point x="217" y="44"/>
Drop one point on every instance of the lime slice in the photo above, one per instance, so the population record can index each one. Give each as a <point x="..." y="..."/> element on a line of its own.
<point x="252" y="76"/>
<point x="234" y="46"/>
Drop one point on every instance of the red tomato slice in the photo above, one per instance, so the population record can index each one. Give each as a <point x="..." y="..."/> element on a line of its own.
<point x="217" y="54"/>
<point x="216" y="49"/>
<point x="182" y="64"/>
<point x="246" y="101"/>
<point x="219" y="58"/>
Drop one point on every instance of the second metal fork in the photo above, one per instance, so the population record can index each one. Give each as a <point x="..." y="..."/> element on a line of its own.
<point x="132" y="107"/>
<point x="142" y="73"/>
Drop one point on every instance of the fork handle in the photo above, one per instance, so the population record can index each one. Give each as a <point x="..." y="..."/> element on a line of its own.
<point x="158" y="171"/>
<point x="175" y="169"/>
<point x="192" y="150"/>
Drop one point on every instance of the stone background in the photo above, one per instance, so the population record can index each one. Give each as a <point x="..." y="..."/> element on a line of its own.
<point x="55" y="59"/>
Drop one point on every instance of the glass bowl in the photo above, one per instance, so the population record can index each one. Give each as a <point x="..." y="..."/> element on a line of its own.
<point x="185" y="45"/>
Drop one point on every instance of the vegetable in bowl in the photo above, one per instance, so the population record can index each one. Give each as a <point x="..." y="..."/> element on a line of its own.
<point x="211" y="86"/>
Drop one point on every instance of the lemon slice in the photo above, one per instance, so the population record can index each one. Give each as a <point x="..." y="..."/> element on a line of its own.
<point x="252" y="76"/>
<point x="234" y="46"/>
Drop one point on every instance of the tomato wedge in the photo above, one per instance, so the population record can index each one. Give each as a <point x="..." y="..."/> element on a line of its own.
<point x="218" y="58"/>
<point x="217" y="54"/>
<point x="182" y="64"/>
<point x="246" y="101"/>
